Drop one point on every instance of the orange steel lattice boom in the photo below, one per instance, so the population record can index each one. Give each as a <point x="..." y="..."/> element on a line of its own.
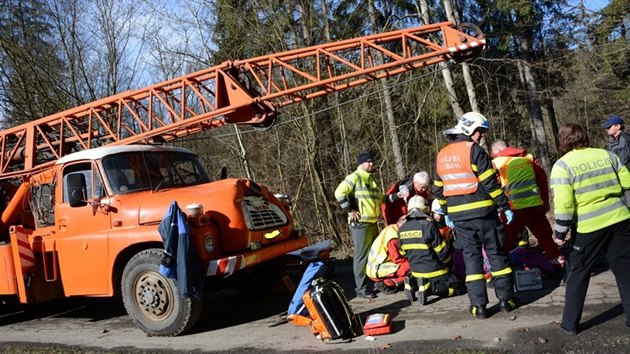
<point x="241" y="92"/>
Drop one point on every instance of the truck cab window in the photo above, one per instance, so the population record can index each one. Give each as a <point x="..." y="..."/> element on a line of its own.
<point x="93" y="181"/>
<point x="157" y="170"/>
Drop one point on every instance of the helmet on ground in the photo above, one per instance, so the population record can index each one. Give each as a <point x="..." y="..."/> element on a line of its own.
<point x="468" y="123"/>
<point x="436" y="207"/>
<point x="417" y="202"/>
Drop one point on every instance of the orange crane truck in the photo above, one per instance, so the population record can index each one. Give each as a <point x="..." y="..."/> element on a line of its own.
<point x="82" y="192"/>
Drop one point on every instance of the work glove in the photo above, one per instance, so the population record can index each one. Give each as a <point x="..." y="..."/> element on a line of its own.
<point x="509" y="216"/>
<point x="448" y="222"/>
<point x="560" y="238"/>
<point x="560" y="235"/>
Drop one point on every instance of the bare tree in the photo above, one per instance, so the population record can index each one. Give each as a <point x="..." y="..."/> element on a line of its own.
<point x="458" y="111"/>
<point x="401" y="171"/>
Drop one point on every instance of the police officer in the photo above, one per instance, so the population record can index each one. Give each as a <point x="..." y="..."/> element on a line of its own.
<point x="587" y="185"/>
<point x="360" y="197"/>
<point x="466" y="185"/>
<point x="427" y="252"/>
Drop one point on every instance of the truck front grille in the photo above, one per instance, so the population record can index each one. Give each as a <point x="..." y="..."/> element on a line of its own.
<point x="260" y="214"/>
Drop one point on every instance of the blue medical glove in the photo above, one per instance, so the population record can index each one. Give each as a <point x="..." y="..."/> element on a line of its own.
<point x="448" y="222"/>
<point x="509" y="216"/>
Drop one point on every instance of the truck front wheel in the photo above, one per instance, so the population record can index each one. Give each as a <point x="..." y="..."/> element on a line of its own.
<point x="154" y="301"/>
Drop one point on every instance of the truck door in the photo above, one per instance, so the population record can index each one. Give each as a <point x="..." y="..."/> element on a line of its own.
<point x="82" y="235"/>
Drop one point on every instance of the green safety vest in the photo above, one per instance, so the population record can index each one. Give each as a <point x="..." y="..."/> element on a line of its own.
<point x="518" y="179"/>
<point x="586" y="190"/>
<point x="358" y="191"/>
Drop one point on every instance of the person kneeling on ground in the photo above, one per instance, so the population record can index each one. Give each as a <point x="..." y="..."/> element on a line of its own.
<point x="386" y="267"/>
<point x="428" y="255"/>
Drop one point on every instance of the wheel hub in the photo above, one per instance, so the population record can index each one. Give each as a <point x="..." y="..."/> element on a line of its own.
<point x="154" y="295"/>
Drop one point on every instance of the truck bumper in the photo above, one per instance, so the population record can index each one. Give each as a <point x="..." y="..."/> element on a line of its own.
<point x="231" y="264"/>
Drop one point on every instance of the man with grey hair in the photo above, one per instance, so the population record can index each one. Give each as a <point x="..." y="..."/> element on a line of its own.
<point x="395" y="204"/>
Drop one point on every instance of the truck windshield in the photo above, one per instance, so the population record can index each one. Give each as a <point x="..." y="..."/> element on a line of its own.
<point x="129" y="172"/>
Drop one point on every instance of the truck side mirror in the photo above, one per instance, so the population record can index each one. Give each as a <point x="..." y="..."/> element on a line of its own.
<point x="76" y="190"/>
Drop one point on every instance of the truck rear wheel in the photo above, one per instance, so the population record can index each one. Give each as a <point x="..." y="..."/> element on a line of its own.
<point x="154" y="301"/>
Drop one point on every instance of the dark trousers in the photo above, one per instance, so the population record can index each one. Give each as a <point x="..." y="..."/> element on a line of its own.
<point x="363" y="234"/>
<point x="470" y="236"/>
<point x="444" y="285"/>
<point x="584" y="250"/>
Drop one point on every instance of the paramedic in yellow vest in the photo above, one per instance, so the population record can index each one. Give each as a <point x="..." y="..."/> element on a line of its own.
<point x="386" y="267"/>
<point x="428" y="254"/>
<point x="360" y="197"/>
<point x="466" y="185"/>
<point x="525" y="186"/>
<point x="588" y="185"/>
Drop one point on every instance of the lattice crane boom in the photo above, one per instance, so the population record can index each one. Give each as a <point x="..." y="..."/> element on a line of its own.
<point x="235" y="92"/>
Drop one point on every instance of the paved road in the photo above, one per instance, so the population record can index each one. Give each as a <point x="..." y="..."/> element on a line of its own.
<point x="235" y="323"/>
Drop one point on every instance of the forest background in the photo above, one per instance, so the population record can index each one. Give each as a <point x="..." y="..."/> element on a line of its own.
<point x="548" y="62"/>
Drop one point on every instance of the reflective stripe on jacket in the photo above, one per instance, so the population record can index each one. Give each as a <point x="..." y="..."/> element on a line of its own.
<point x="518" y="179"/>
<point x="379" y="265"/>
<point x="587" y="189"/>
<point x="455" y="170"/>
<point x="359" y="192"/>
<point x="484" y="200"/>
<point x="420" y="241"/>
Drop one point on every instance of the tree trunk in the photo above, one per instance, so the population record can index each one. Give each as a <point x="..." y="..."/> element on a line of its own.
<point x="389" y="109"/>
<point x="533" y="105"/>
<point x="453" y="15"/>
<point x="547" y="103"/>
<point x="243" y="153"/>
<point x="320" y="147"/>
<point x="458" y="111"/>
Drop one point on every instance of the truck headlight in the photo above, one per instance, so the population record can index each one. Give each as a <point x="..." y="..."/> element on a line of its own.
<point x="208" y="243"/>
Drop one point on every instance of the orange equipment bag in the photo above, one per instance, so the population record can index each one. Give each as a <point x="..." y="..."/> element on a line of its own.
<point x="331" y="315"/>
<point x="378" y="323"/>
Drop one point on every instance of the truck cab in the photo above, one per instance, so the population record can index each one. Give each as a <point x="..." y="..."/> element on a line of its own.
<point x="97" y="211"/>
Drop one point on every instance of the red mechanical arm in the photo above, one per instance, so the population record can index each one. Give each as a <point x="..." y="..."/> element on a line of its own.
<point x="239" y="92"/>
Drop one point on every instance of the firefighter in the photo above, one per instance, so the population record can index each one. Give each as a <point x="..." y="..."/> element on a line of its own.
<point x="466" y="185"/>
<point x="395" y="204"/>
<point x="428" y="255"/>
<point x="360" y="197"/>
<point x="525" y="186"/>
<point x="588" y="185"/>
<point x="386" y="267"/>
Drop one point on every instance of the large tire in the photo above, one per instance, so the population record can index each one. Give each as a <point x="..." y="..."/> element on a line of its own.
<point x="154" y="301"/>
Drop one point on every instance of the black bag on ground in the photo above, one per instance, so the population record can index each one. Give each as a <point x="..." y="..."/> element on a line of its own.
<point x="332" y="317"/>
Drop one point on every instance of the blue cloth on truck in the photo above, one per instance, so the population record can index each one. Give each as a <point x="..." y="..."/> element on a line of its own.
<point x="188" y="266"/>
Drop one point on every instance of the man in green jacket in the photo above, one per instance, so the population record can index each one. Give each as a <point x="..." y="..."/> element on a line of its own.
<point x="360" y="197"/>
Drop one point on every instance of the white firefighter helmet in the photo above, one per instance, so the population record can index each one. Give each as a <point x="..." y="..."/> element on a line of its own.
<point x="468" y="123"/>
<point x="417" y="202"/>
<point x="436" y="207"/>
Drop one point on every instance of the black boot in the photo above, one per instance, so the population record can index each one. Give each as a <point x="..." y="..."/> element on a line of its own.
<point x="507" y="305"/>
<point x="410" y="288"/>
<point x="479" y="311"/>
<point x="424" y="291"/>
